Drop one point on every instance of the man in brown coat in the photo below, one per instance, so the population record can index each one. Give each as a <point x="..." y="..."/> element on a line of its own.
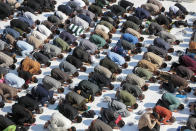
<point x="34" y="41"/>
<point x="8" y="92"/>
<point x="155" y="59"/>
<point x="7" y="61"/>
<point x="173" y="83"/>
<point x="31" y="66"/>
<point x="147" y="65"/>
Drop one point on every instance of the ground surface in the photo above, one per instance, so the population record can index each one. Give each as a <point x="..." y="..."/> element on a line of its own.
<point x="152" y="95"/>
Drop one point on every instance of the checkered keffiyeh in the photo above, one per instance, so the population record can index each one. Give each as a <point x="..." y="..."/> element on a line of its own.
<point x="77" y="30"/>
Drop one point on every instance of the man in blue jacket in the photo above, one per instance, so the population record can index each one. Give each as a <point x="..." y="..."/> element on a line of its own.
<point x="163" y="44"/>
<point x="141" y="13"/>
<point x="42" y="95"/>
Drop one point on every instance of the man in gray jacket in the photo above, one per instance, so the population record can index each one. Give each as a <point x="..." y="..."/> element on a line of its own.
<point x="168" y="37"/>
<point x="134" y="90"/>
<point x="7" y="61"/>
<point x="136" y="80"/>
<point x="105" y="71"/>
<point x="59" y="123"/>
<point x="50" y="83"/>
<point x="68" y="68"/>
<point x="117" y="106"/>
<point x="52" y="51"/>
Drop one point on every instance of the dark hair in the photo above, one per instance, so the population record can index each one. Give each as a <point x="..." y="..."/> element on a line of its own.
<point x="181" y="107"/>
<point x="162" y="9"/>
<point x="170" y="50"/>
<point x="153" y="79"/>
<point x="108" y="41"/>
<point x="174" y="65"/>
<point x="182" y="16"/>
<point x="95" y="19"/>
<point x="24" y="35"/>
<point x="60" y="56"/>
<point x="57" y="32"/>
<point x="48" y="63"/>
<point x="25" y="86"/>
<point x="31" y="121"/>
<point x="60" y="90"/>
<point x="138" y="44"/>
<point x="35" y="80"/>
<point x="40" y="71"/>
<point x="164" y="65"/>
<point x="75" y="43"/>
<point x="119" y="71"/>
<point x="110" y="35"/>
<point x="15" y="60"/>
<point x="83" y="69"/>
<point x="169" y="27"/>
<point x="61" y="25"/>
<point x="39" y="110"/>
<point x="177" y="42"/>
<point x="76" y="74"/>
<point x="157" y="72"/>
<point x="125" y="65"/>
<point x="52" y="101"/>
<point x="135" y="106"/>
<point x="28" y="30"/>
<point x="69" y="50"/>
<point x="73" y="128"/>
<point x="188" y="89"/>
<point x="68" y="21"/>
<point x="106" y="46"/>
<point x="155" y="115"/>
<point x="149" y="18"/>
<point x="111" y="87"/>
<point x="83" y="36"/>
<point x="138" y="50"/>
<point x="121" y="123"/>
<point x="37" y="22"/>
<point x="69" y="81"/>
<point x="99" y="93"/>
<point x="127" y="58"/>
<point x="2" y="104"/>
<point x="141" y="38"/>
<point x="168" y="58"/>
<point x="145" y="88"/>
<point x="12" y="67"/>
<point x="193" y="79"/>
<point x="141" y="26"/>
<point x="54" y="2"/>
<point x="78" y="119"/>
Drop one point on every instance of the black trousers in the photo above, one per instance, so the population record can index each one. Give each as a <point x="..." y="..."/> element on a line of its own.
<point x="170" y="87"/>
<point x="25" y="75"/>
<point x="163" y="103"/>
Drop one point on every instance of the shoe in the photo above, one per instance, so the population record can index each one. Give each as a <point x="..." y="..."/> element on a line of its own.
<point x="130" y="123"/>
<point x="151" y="37"/>
<point x="140" y="112"/>
<point x="179" y="52"/>
<point x="162" y="91"/>
<point x="120" y="79"/>
<point x="97" y="56"/>
<point x="182" y="122"/>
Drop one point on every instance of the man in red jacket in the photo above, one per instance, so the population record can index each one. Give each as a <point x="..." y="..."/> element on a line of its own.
<point x="165" y="115"/>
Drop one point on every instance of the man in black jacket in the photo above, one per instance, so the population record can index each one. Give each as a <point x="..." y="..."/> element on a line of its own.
<point x="21" y="115"/>
<point x="69" y="111"/>
<point x="100" y="80"/>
